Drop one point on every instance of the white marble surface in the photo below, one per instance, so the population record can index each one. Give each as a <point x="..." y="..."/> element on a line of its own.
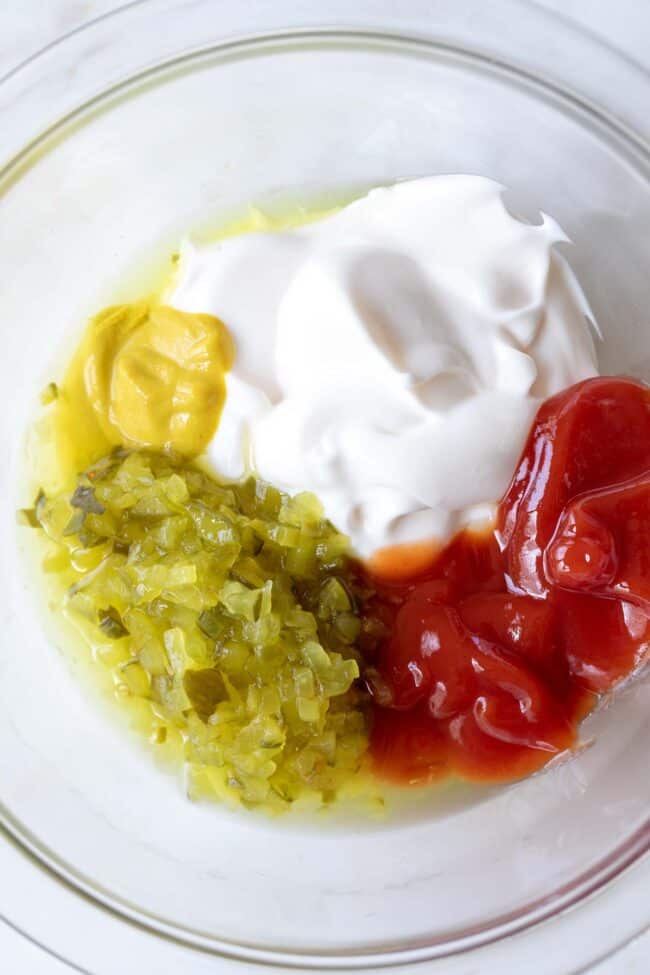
<point x="27" y="25"/>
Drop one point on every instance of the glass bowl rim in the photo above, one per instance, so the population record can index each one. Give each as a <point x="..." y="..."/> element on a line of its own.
<point x="633" y="142"/>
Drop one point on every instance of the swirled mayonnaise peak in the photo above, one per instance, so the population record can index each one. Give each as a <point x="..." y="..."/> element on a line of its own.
<point x="390" y="358"/>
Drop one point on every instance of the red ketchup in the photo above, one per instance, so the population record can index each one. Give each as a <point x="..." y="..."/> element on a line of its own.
<point x="502" y="644"/>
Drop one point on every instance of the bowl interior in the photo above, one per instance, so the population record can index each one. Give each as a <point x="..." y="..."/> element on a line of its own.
<point x="92" y="215"/>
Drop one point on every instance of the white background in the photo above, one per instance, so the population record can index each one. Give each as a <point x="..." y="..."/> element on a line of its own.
<point x="27" y="25"/>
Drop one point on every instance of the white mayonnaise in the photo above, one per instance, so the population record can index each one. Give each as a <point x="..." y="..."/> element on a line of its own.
<point x="391" y="357"/>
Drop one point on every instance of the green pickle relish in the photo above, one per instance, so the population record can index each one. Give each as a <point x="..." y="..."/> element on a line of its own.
<point x="229" y="615"/>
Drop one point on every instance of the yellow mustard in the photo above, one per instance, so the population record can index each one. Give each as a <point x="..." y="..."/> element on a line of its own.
<point x="144" y="375"/>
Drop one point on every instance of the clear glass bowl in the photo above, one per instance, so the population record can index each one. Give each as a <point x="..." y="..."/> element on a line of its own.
<point x="165" y="117"/>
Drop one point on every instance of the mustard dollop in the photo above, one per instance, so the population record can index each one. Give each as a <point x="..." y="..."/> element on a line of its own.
<point x="144" y="375"/>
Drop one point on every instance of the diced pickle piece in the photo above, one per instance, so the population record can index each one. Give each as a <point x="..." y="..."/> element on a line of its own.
<point x="136" y="679"/>
<point x="347" y="627"/>
<point x="27" y="516"/>
<point x="333" y="599"/>
<point x="176" y="489"/>
<point x="110" y="623"/>
<point x="205" y="688"/>
<point x="85" y="499"/>
<point x="212" y="622"/>
<point x="49" y="394"/>
<point x="316" y="657"/>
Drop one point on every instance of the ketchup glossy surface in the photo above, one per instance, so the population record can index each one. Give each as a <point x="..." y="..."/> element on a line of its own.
<point x="501" y="645"/>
